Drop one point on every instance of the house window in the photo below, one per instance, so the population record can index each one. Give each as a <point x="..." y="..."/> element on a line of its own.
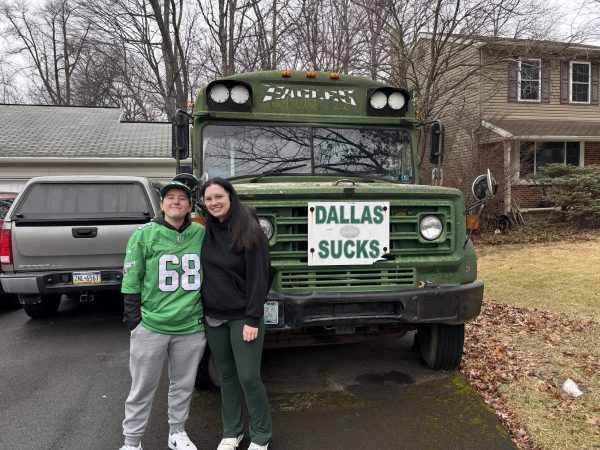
<point x="537" y="154"/>
<point x="580" y="82"/>
<point x="529" y="80"/>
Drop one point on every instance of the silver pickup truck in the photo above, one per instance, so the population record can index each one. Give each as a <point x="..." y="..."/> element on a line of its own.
<point x="67" y="235"/>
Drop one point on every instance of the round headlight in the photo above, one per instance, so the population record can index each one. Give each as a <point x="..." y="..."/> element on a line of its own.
<point x="378" y="100"/>
<point x="266" y="226"/>
<point x="240" y="94"/>
<point x="396" y="101"/>
<point x="219" y="93"/>
<point x="430" y="227"/>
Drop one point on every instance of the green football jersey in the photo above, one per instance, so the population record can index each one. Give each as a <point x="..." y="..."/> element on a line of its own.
<point x="163" y="266"/>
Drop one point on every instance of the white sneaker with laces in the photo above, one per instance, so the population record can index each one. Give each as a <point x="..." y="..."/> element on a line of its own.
<point x="178" y="441"/>
<point x="230" y="443"/>
<point x="254" y="446"/>
<point x="131" y="447"/>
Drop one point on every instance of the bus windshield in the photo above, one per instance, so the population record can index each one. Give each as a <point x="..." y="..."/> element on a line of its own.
<point x="240" y="150"/>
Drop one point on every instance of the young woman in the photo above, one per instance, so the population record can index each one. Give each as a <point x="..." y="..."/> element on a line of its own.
<point x="235" y="262"/>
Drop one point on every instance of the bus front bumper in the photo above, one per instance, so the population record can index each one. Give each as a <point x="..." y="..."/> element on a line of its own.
<point x="450" y="305"/>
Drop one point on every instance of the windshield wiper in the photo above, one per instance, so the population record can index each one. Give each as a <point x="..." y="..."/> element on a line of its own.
<point x="276" y="171"/>
<point x="347" y="172"/>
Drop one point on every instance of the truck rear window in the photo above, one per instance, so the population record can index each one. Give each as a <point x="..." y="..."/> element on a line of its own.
<point x="84" y="199"/>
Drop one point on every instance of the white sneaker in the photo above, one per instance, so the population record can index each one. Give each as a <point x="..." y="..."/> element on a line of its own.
<point x="230" y="443"/>
<point x="131" y="447"/>
<point x="181" y="440"/>
<point x="254" y="446"/>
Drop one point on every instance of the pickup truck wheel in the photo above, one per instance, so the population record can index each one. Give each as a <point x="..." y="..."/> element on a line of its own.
<point x="208" y="375"/>
<point x="10" y="301"/>
<point x="47" y="307"/>
<point x="441" y="346"/>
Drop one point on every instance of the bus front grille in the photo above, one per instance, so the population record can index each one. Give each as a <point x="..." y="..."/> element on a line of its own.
<point x="340" y="279"/>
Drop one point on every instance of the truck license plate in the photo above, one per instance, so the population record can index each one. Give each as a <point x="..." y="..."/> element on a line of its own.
<point x="87" y="278"/>
<point x="271" y="313"/>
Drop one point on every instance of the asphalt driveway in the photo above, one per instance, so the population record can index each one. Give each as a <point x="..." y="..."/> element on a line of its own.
<point x="63" y="383"/>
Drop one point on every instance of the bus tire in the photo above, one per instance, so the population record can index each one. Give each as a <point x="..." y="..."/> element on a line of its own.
<point x="208" y="375"/>
<point x="441" y="346"/>
<point x="47" y="306"/>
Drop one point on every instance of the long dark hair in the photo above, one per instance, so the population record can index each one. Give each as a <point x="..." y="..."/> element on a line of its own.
<point x="241" y="220"/>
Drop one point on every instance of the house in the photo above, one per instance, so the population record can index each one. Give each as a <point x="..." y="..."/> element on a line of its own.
<point x="66" y="140"/>
<point x="520" y="104"/>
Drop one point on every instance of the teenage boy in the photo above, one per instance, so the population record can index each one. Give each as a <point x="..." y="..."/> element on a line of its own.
<point x="162" y="308"/>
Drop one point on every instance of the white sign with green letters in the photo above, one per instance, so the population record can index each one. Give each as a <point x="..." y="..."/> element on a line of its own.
<point x="347" y="233"/>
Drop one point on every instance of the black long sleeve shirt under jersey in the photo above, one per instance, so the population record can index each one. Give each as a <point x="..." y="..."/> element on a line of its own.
<point x="235" y="284"/>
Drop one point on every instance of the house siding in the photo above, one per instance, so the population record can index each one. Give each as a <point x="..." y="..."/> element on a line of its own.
<point x="495" y="86"/>
<point x="473" y="145"/>
<point x="459" y="112"/>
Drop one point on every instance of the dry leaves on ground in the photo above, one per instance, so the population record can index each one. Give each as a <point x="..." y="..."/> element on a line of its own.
<point x="495" y="356"/>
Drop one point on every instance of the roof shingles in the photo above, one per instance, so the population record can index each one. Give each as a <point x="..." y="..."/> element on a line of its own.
<point x="78" y="132"/>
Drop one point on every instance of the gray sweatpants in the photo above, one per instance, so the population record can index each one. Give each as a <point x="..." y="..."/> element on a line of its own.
<point x="146" y="358"/>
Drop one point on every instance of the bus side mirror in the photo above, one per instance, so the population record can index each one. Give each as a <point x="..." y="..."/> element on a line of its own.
<point x="180" y="136"/>
<point x="436" y="143"/>
<point x="484" y="186"/>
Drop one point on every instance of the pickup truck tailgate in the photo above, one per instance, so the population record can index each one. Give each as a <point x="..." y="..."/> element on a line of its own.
<point x="81" y="224"/>
<point x="76" y="246"/>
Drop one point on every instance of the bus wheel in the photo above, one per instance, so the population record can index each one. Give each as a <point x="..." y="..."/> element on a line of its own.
<point x="441" y="346"/>
<point x="47" y="306"/>
<point x="208" y="375"/>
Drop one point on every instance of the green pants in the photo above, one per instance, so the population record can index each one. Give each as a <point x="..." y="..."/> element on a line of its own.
<point x="239" y="363"/>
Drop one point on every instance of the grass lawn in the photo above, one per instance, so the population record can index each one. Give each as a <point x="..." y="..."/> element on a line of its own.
<point x="561" y="277"/>
<point x="540" y="325"/>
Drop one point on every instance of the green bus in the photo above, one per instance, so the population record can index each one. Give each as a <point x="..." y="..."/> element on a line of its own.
<point x="360" y="249"/>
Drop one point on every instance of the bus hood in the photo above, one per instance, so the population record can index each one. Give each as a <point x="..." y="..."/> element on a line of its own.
<point x="342" y="189"/>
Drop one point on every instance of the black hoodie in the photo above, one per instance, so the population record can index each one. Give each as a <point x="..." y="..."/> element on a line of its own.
<point x="235" y="284"/>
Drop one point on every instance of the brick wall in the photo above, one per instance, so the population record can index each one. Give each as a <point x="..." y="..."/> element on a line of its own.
<point x="592" y="153"/>
<point x="459" y="154"/>
<point x="491" y="156"/>
<point x="528" y="196"/>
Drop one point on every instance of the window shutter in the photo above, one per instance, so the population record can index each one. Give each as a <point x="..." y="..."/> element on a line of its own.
<point x="513" y="84"/>
<point x="545" y="81"/>
<point x="564" y="82"/>
<point x="594" y="69"/>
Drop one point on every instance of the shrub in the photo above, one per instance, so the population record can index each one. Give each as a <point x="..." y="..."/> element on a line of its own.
<point x="575" y="190"/>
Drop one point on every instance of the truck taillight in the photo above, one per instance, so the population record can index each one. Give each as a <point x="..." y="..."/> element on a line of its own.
<point x="5" y="248"/>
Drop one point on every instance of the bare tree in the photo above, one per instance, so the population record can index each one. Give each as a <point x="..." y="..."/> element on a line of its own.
<point x="377" y="36"/>
<point x="535" y="19"/>
<point x="326" y="34"/>
<point x="154" y="39"/>
<point x="227" y="22"/>
<point x="151" y="56"/>
<point x="268" y="28"/>
<point x="51" y="39"/>
<point x="9" y="90"/>
<point x="97" y="78"/>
